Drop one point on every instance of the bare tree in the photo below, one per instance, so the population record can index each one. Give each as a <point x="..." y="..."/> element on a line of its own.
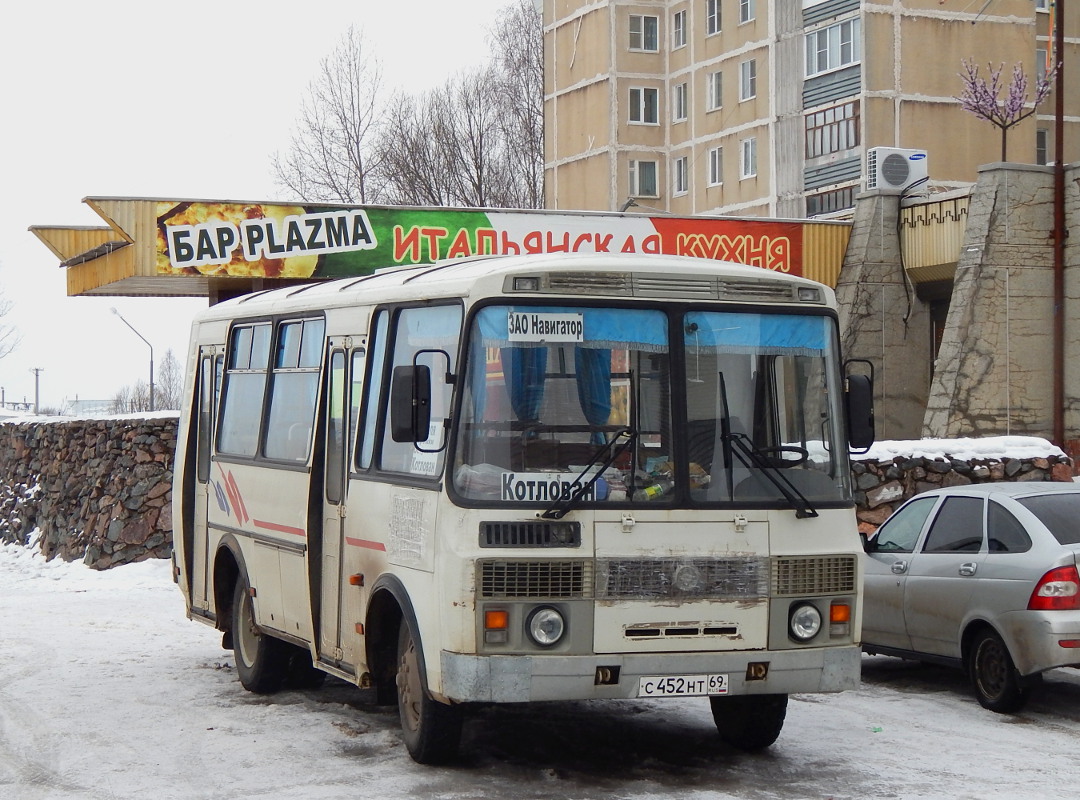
<point x="168" y="390"/>
<point x="983" y="97"/>
<point x="518" y="60"/>
<point x="330" y="157"/>
<point x="9" y="336"/>
<point x="475" y="141"/>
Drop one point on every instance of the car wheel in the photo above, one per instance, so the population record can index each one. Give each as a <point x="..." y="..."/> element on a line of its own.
<point x="432" y="730"/>
<point x="749" y="722"/>
<point x="998" y="685"/>
<point x="261" y="660"/>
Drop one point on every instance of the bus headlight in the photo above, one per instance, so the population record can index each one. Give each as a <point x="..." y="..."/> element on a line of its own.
<point x="804" y="622"/>
<point x="545" y="626"/>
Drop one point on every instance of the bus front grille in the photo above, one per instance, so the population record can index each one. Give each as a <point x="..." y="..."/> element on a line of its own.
<point x="813" y="575"/>
<point x="533" y="533"/>
<point x="553" y="579"/>
<point x="736" y="578"/>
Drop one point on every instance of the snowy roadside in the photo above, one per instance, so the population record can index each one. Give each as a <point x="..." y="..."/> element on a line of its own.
<point x="107" y="691"/>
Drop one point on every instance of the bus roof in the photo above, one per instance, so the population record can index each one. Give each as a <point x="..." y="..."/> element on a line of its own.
<point x="626" y="275"/>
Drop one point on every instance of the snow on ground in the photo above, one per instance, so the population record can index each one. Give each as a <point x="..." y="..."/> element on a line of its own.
<point x="107" y="691"/>
<point x="985" y="448"/>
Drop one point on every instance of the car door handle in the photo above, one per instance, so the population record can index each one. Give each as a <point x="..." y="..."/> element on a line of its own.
<point x="899" y="567"/>
<point x="967" y="569"/>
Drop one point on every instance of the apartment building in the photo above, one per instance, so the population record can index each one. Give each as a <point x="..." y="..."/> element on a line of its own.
<point x="768" y="107"/>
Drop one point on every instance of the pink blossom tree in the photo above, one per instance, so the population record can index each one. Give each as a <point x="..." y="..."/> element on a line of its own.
<point x="983" y="97"/>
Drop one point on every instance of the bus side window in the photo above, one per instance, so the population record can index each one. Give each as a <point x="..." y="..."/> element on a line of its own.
<point x="422" y="336"/>
<point x="207" y="395"/>
<point x="366" y="444"/>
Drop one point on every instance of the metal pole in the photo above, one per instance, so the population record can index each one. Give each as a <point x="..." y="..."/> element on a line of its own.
<point x="151" y="354"/>
<point x="1059" y="225"/>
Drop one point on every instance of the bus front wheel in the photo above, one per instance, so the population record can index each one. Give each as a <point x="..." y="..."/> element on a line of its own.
<point x="432" y="730"/>
<point x="261" y="661"/>
<point x="750" y="721"/>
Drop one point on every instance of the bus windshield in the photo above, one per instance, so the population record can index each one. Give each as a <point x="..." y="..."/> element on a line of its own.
<point x="723" y="407"/>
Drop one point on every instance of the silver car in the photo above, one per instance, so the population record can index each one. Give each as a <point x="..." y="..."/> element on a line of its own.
<point x="983" y="577"/>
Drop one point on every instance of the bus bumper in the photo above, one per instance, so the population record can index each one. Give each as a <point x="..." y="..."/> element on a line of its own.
<point x="525" y="678"/>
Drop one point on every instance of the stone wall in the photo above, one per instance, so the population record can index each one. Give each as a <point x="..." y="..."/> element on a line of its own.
<point x="100" y="490"/>
<point x="95" y="489"/>
<point x="882" y="485"/>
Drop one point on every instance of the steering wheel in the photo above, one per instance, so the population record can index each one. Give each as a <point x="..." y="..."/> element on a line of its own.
<point x="776" y="455"/>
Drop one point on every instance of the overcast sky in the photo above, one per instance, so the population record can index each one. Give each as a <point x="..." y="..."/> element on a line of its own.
<point x="141" y="99"/>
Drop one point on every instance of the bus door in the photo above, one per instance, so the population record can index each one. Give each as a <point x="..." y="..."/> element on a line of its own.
<point x="346" y="367"/>
<point x="209" y="384"/>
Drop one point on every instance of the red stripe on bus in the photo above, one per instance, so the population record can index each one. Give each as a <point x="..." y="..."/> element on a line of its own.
<point x="273" y="526"/>
<point x="365" y="543"/>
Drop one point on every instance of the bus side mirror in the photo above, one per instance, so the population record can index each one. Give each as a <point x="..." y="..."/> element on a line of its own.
<point x="410" y="403"/>
<point x="859" y="401"/>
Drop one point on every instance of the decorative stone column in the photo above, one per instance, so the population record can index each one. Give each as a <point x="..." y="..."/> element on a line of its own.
<point x="882" y="320"/>
<point x="993" y="374"/>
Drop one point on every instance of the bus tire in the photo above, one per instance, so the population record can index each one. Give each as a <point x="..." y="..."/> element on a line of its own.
<point x="432" y="730"/>
<point x="261" y="660"/>
<point x="750" y="721"/>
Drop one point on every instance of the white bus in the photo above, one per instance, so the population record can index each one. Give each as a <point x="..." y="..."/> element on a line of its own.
<point x="515" y="479"/>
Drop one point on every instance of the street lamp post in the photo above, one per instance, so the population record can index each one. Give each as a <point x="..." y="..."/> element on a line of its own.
<point x="151" y="354"/>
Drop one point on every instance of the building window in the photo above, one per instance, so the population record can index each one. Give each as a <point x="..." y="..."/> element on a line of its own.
<point x="682" y="178"/>
<point x="1042" y="146"/>
<point x="830" y="202"/>
<point x="678" y="30"/>
<point x="749" y="158"/>
<point x="832" y="47"/>
<point x="1041" y="67"/>
<point x="748" y="79"/>
<point x="644" y="33"/>
<point x="643" y="179"/>
<point x="1042" y="5"/>
<point x="831" y="130"/>
<point x="746" y="10"/>
<point x="715" y="88"/>
<point x="716" y="166"/>
<point x="679" y="103"/>
<point x="712" y="17"/>
<point x="644" y="105"/>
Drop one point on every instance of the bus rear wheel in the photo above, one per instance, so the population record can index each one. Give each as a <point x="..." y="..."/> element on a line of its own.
<point x="432" y="730"/>
<point x="751" y="721"/>
<point x="261" y="660"/>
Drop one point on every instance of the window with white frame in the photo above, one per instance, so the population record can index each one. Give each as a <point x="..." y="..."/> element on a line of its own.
<point x="712" y="17"/>
<point x="644" y="33"/>
<point x="678" y="29"/>
<point x="679" y="103"/>
<point x="1042" y="5"/>
<point x="715" y="88"/>
<point x="716" y="166"/>
<point x="1042" y="146"/>
<point x="644" y="105"/>
<point x="833" y="47"/>
<point x="747" y="10"/>
<point x="748" y="163"/>
<point x="748" y="79"/>
<point x="682" y="178"/>
<point x="833" y="129"/>
<point x="642" y="178"/>
<point x="1041" y="57"/>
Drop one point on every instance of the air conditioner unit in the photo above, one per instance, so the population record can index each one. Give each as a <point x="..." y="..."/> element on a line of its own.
<point x="892" y="170"/>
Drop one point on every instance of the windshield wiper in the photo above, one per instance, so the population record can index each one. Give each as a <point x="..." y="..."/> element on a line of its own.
<point x="740" y="445"/>
<point x="753" y="458"/>
<point x="605" y="457"/>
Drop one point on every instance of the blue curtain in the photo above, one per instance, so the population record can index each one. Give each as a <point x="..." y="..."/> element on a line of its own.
<point x="524" y="369"/>
<point x="769" y="334"/>
<point x="593" y="367"/>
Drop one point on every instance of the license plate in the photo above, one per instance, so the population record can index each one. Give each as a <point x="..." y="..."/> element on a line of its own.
<point x="682" y="685"/>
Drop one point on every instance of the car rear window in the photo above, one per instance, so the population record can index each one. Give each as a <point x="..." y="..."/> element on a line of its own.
<point x="1060" y="513"/>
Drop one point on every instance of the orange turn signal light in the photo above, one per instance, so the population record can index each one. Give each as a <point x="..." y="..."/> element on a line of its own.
<point x="840" y="612"/>
<point x="496" y="620"/>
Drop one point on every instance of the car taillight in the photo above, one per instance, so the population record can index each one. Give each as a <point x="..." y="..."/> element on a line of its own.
<point x="1057" y="590"/>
